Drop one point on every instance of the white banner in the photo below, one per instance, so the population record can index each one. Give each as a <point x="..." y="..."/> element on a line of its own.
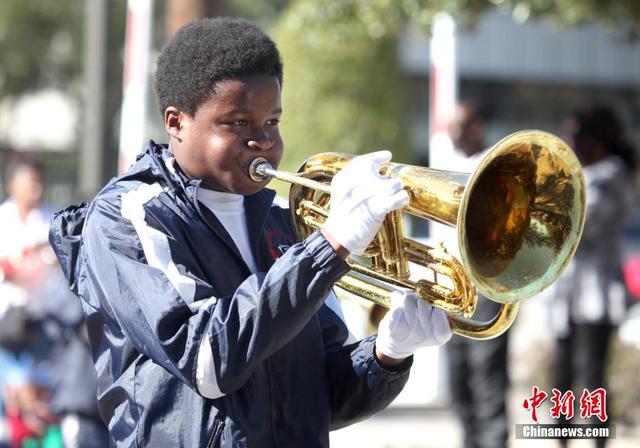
<point x="135" y="81"/>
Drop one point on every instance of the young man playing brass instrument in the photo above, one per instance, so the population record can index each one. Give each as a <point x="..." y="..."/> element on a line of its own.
<point x="208" y="322"/>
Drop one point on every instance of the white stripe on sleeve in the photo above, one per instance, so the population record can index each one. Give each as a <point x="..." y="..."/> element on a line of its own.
<point x="206" y="379"/>
<point x="155" y="244"/>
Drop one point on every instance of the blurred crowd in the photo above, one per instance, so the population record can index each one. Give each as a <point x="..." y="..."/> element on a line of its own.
<point x="584" y="307"/>
<point x="47" y="381"/>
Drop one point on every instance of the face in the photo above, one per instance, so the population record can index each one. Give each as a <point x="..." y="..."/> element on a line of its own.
<point x="584" y="143"/>
<point x="26" y="187"/>
<point x="238" y="123"/>
<point x="467" y="131"/>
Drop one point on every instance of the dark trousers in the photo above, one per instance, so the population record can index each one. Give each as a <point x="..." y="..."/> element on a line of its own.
<point x="479" y="383"/>
<point x="579" y="363"/>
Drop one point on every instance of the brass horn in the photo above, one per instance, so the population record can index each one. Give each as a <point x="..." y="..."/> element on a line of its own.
<point x="519" y="217"/>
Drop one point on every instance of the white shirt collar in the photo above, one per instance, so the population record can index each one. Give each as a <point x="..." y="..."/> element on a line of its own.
<point x="220" y="201"/>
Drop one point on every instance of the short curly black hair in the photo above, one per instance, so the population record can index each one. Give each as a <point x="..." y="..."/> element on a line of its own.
<point x="205" y="52"/>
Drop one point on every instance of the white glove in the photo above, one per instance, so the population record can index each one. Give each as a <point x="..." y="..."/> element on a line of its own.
<point x="360" y="200"/>
<point x="411" y="323"/>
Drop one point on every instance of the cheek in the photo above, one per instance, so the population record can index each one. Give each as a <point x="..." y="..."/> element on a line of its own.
<point x="279" y="156"/>
<point x="222" y="156"/>
<point x="278" y="151"/>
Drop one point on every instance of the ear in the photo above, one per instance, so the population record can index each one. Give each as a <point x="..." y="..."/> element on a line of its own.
<point x="173" y="122"/>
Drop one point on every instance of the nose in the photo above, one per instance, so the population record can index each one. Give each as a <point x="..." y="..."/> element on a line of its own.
<point x="260" y="141"/>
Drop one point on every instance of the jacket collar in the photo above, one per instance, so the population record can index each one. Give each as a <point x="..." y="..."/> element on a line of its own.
<point x="157" y="161"/>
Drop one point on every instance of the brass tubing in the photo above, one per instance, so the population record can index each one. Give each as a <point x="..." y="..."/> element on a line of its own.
<point x="260" y="169"/>
<point x="486" y="330"/>
<point x="391" y="245"/>
<point x="519" y="218"/>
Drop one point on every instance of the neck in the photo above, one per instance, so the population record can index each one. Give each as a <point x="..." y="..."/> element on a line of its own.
<point x="23" y="211"/>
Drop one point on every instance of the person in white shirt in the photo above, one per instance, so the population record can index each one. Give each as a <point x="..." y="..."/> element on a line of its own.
<point x="26" y="260"/>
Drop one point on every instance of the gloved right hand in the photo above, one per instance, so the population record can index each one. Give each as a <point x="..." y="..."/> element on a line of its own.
<point x="360" y="200"/>
<point x="411" y="323"/>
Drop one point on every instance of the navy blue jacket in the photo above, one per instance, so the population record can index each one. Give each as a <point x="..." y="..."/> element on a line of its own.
<point x="190" y="348"/>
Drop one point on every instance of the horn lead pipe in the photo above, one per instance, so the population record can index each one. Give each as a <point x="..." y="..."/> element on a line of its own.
<point x="260" y="170"/>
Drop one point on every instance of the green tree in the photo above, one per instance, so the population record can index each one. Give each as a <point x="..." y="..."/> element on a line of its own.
<point x="40" y="44"/>
<point x="342" y="87"/>
<point x="615" y="13"/>
<point x="610" y="13"/>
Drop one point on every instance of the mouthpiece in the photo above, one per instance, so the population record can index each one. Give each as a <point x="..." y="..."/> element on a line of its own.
<point x="258" y="169"/>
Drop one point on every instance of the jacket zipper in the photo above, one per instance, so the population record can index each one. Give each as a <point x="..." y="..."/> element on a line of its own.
<point x="267" y="365"/>
<point x="218" y="426"/>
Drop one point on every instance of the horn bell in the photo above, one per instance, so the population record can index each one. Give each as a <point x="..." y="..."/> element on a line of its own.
<point x="521" y="216"/>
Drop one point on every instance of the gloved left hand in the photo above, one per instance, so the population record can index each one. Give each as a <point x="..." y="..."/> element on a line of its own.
<point x="411" y="323"/>
<point x="360" y="200"/>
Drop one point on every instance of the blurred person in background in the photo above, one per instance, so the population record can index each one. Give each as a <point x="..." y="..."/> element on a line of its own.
<point x="72" y="379"/>
<point x="590" y="298"/>
<point x="46" y="370"/>
<point x="25" y="258"/>
<point x="477" y="369"/>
